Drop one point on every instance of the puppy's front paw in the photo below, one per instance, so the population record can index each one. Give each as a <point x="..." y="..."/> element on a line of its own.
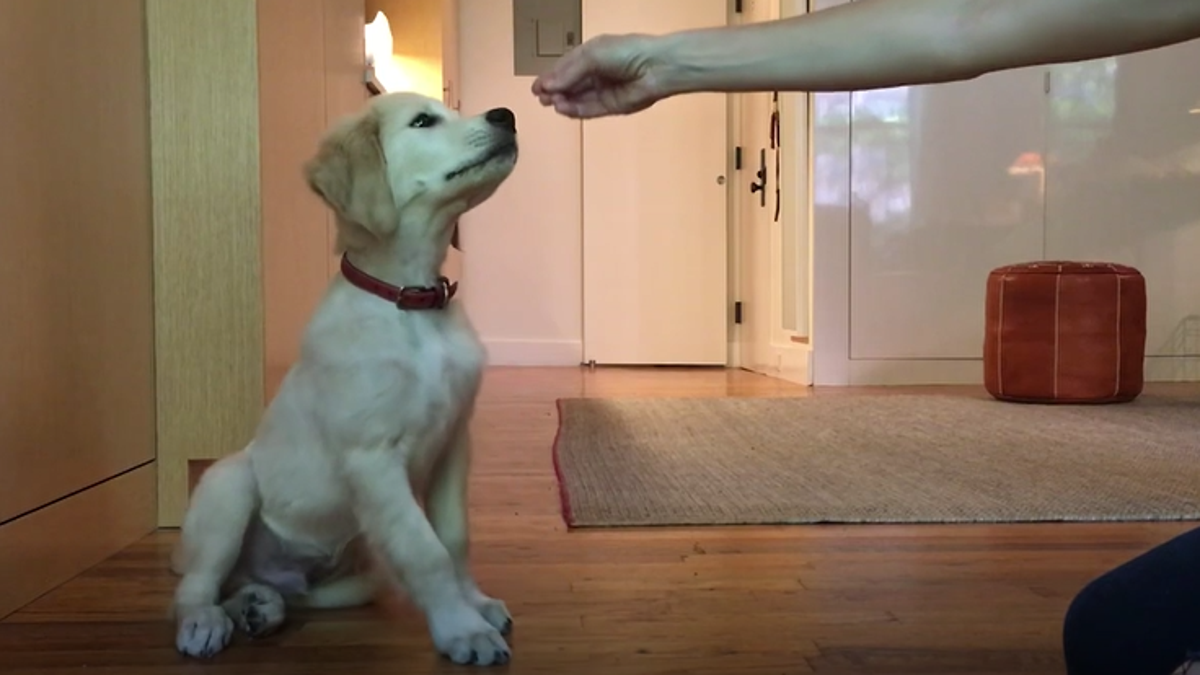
<point x="257" y="610"/>
<point x="203" y="632"/>
<point x="465" y="637"/>
<point x="495" y="612"/>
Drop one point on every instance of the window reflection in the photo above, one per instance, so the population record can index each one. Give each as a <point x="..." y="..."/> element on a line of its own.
<point x="933" y="203"/>
<point x="831" y="151"/>
<point x="1083" y="107"/>
<point x="945" y="182"/>
<point x="882" y="158"/>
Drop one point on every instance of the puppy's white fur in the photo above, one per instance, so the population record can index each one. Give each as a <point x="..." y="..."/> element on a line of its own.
<point x="363" y="455"/>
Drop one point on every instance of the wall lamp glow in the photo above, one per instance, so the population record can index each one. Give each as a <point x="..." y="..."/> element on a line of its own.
<point x="381" y="75"/>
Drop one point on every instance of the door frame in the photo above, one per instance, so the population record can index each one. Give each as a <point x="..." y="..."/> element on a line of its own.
<point x="761" y="344"/>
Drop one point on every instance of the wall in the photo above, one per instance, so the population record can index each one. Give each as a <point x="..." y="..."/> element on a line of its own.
<point x="77" y="390"/>
<point x="523" y="291"/>
<point x="208" y="255"/>
<point x="309" y="75"/>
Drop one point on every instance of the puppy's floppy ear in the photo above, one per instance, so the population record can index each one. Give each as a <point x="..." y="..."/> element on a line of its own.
<point x="349" y="173"/>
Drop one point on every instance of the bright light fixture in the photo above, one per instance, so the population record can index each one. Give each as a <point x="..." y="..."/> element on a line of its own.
<point x="380" y="65"/>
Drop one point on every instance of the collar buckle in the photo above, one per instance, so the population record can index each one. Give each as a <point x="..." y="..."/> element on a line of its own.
<point x="426" y="297"/>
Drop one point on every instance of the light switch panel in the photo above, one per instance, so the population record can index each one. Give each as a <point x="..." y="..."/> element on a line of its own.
<point x="544" y="30"/>
<point x="551" y="38"/>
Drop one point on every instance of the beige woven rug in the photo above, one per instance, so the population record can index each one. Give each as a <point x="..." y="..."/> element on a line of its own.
<point x="874" y="459"/>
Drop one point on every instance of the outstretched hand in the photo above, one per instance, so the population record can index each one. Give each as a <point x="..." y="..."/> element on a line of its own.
<point x="607" y="75"/>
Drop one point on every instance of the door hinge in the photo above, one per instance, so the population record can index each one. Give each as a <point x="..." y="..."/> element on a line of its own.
<point x="1046" y="80"/>
<point x="737" y="312"/>
<point x="737" y="158"/>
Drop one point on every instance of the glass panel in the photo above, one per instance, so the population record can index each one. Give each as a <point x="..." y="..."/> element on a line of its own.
<point x="794" y="197"/>
<point x="794" y="212"/>
<point x="945" y="186"/>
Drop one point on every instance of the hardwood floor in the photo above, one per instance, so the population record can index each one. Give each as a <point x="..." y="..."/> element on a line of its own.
<point x="984" y="599"/>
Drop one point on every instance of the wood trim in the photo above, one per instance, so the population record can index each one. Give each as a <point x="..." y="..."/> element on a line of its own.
<point x="203" y="59"/>
<point x="51" y="545"/>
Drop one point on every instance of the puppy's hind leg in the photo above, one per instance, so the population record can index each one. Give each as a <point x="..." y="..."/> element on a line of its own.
<point x="221" y="508"/>
<point x="258" y="610"/>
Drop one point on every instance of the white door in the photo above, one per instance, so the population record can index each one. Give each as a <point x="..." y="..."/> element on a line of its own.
<point x="655" y="234"/>
<point x="772" y="197"/>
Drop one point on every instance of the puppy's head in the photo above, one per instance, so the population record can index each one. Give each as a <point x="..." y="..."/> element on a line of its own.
<point x="408" y="157"/>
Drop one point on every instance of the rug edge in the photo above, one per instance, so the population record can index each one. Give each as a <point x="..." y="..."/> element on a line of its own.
<point x="564" y="497"/>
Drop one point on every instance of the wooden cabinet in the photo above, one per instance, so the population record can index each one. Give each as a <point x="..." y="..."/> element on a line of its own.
<point x="77" y="390"/>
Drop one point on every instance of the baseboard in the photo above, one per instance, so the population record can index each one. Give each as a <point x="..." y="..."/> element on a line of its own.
<point x="534" y="352"/>
<point x="48" y="547"/>
<point x="1173" y="369"/>
<point x="916" y="372"/>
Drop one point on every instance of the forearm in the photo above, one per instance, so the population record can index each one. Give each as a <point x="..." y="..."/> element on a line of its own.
<point x="880" y="43"/>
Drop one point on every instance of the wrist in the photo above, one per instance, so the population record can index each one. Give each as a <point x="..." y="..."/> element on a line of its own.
<point x="672" y="70"/>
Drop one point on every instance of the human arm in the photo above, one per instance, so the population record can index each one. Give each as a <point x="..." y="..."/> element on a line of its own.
<point x="884" y="43"/>
<point x="866" y="44"/>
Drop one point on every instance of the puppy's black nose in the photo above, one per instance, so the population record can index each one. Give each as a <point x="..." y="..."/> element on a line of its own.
<point x="502" y="118"/>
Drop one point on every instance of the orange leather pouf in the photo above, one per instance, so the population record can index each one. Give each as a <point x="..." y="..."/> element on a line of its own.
<point x="1065" y="332"/>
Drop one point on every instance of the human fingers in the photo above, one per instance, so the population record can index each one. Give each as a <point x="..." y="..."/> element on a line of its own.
<point x="582" y="87"/>
<point x="568" y="72"/>
<point x="602" y="102"/>
<point x="576" y="105"/>
<point x="581" y="110"/>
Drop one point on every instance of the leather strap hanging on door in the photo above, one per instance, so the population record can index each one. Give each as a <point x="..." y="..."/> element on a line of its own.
<point x="776" y="145"/>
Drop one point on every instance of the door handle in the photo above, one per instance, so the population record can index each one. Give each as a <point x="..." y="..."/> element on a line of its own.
<point x="761" y="186"/>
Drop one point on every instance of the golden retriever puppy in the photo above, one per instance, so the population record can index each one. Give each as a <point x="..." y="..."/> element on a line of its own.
<point x="358" y="470"/>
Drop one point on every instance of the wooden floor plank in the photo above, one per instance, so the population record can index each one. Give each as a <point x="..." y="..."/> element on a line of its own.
<point x="833" y="600"/>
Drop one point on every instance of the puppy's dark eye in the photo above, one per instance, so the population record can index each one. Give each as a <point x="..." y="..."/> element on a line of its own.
<point x="423" y="121"/>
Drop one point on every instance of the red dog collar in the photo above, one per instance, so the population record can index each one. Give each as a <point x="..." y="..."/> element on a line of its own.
<point x="404" y="297"/>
